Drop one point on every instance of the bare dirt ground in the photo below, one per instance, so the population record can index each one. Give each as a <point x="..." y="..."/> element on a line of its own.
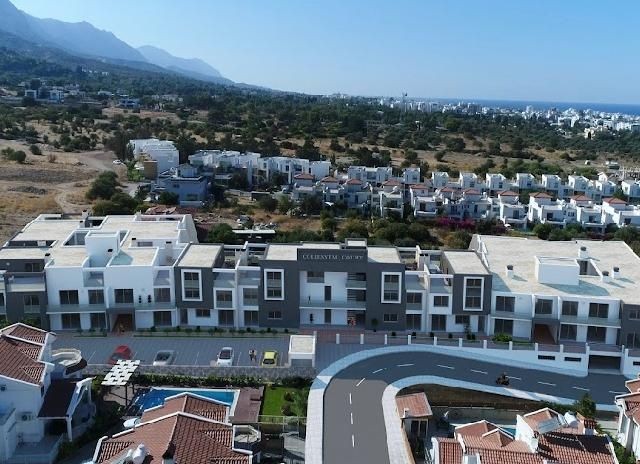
<point x="45" y="184"/>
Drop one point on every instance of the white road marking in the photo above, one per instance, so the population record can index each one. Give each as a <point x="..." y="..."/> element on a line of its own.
<point x="581" y="388"/>
<point x="196" y="360"/>
<point x="353" y="441"/>
<point x="513" y="378"/>
<point x="405" y="365"/>
<point x="445" y="367"/>
<point x="351" y="418"/>
<point x="378" y="370"/>
<point x="547" y="383"/>
<point x="90" y="357"/>
<point x="350" y="399"/>
<point x="617" y="393"/>
<point x="479" y="372"/>
<point x="238" y="360"/>
<point x="361" y="380"/>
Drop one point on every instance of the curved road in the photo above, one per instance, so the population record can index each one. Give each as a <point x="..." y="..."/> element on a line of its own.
<point x="354" y="427"/>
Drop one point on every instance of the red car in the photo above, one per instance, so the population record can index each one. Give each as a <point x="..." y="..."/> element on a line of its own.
<point x="121" y="352"/>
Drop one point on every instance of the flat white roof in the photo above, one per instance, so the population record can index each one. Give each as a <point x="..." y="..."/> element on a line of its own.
<point x="302" y="344"/>
<point x="199" y="255"/>
<point x="522" y="253"/>
<point x="289" y="252"/>
<point x="465" y="262"/>
<point x="384" y="255"/>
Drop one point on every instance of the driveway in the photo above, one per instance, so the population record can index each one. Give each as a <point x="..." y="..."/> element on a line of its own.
<point x="354" y="427"/>
<point x="190" y="350"/>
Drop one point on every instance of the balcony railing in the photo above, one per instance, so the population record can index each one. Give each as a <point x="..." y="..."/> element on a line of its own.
<point x="341" y="304"/>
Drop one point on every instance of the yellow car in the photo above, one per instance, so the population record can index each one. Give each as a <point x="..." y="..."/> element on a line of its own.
<point x="270" y="359"/>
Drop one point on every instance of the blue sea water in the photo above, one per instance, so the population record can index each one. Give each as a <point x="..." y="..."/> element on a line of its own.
<point x="156" y="396"/>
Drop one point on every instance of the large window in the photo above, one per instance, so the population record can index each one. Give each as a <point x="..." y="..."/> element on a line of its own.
<point x="31" y="301"/>
<point x="191" y="286"/>
<point x="123" y="295"/>
<point x="596" y="334"/>
<point x="225" y="317"/>
<point x="274" y="285"/>
<point x="462" y="320"/>
<point x="503" y="326"/>
<point x="356" y="295"/>
<point x="570" y="308"/>
<point x="224" y="299"/>
<point x="70" y="321"/>
<point x="274" y="315"/>
<point x="599" y="310"/>
<point x="251" y="318"/>
<point x="440" y="301"/>
<point x="473" y="294"/>
<point x="390" y="317"/>
<point x="96" y="297"/>
<point x="33" y="267"/>
<point x="162" y="318"/>
<point x="568" y="331"/>
<point x="414" y="322"/>
<point x="633" y="340"/>
<point x="315" y="277"/>
<point x="250" y="296"/>
<point x="69" y="297"/>
<point x="544" y="306"/>
<point x="203" y="313"/>
<point x="505" y="304"/>
<point x="438" y="322"/>
<point x="162" y="295"/>
<point x="634" y="313"/>
<point x="98" y="321"/>
<point x="390" y="288"/>
<point x="414" y="298"/>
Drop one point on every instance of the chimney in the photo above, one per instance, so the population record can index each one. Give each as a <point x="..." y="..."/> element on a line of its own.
<point x="615" y="272"/>
<point x="605" y="276"/>
<point x="167" y="456"/>
<point x="110" y="251"/>
<point x="509" y="271"/>
<point x="583" y="252"/>
<point x="405" y="413"/>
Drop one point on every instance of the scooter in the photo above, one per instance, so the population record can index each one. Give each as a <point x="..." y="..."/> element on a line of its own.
<point x="503" y="380"/>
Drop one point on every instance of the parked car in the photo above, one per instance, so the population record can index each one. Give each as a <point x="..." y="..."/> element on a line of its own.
<point x="225" y="357"/>
<point x="131" y="423"/>
<point x="164" y="358"/>
<point x="122" y="352"/>
<point x="117" y="162"/>
<point x="270" y="359"/>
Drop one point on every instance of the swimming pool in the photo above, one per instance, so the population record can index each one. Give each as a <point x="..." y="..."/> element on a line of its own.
<point x="509" y="430"/>
<point x="155" y="396"/>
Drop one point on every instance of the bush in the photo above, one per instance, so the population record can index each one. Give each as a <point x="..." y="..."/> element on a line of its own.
<point x="450" y="335"/>
<point x="502" y="338"/>
<point x="14" y="155"/>
<point x="35" y="149"/>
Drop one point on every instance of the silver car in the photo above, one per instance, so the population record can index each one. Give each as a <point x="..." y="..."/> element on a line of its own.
<point x="164" y="358"/>
<point x="225" y="357"/>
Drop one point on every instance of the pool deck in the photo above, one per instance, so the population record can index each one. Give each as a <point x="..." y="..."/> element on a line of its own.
<point x="248" y="406"/>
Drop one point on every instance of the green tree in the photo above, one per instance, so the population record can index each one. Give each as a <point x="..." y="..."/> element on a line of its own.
<point x="460" y="239"/>
<point x="268" y="203"/>
<point x="168" y="198"/>
<point x="542" y="231"/>
<point x="284" y="204"/>
<point x="222" y="233"/>
<point x="119" y="203"/>
<point x="35" y="149"/>
<point x="103" y="187"/>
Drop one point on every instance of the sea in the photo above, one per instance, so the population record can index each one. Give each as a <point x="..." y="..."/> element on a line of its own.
<point x="630" y="109"/>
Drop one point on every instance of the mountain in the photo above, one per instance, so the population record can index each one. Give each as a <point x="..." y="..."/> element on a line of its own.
<point x="165" y="59"/>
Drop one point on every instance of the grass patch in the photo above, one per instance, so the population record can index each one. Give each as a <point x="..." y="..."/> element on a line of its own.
<point x="273" y="400"/>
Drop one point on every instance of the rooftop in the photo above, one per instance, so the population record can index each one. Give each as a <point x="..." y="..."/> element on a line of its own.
<point x="521" y="253"/>
<point x="21" y="349"/>
<point x="198" y="255"/>
<point x="289" y="252"/>
<point x="464" y="262"/>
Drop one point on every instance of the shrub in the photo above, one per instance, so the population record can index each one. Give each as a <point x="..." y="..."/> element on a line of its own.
<point x="197" y="329"/>
<point x="35" y="149"/>
<point x="152" y="329"/>
<point x="393" y="333"/>
<point x="502" y="338"/>
<point x="450" y="335"/>
<point x="286" y="330"/>
<point x="189" y="330"/>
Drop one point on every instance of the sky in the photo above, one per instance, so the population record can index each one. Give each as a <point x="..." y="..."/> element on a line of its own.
<point x="544" y="50"/>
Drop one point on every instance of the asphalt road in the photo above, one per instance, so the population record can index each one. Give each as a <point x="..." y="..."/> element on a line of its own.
<point x="354" y="429"/>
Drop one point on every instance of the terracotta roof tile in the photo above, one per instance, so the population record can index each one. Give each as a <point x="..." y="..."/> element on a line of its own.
<point x="303" y="176"/>
<point x="391" y="182"/>
<point x="540" y="195"/>
<point x="614" y="201"/>
<point x="449" y="451"/>
<point x="508" y="193"/>
<point x="354" y="182"/>
<point x="472" y="191"/>
<point x="575" y="449"/>
<point x="633" y="385"/>
<point x="25" y="332"/>
<point x="19" y="360"/>
<point x="416" y="404"/>
<point x="189" y="403"/>
<point x="329" y="179"/>
<point x="475" y="428"/>
<point x="580" y="198"/>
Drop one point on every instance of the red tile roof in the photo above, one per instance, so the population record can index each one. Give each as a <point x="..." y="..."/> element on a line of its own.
<point x="303" y="176"/>
<point x="614" y="201"/>
<point x="533" y="419"/>
<point x="189" y="403"/>
<point x="19" y="359"/>
<point x="475" y="428"/>
<point x="329" y="179"/>
<point x="580" y="198"/>
<point x="508" y="193"/>
<point x="416" y="404"/>
<point x="354" y="182"/>
<point x="449" y="451"/>
<point x="633" y="385"/>
<point x="540" y="195"/>
<point x="26" y="332"/>
<point x="391" y="182"/>
<point x="193" y="440"/>
<point x="472" y="191"/>
<point x="575" y="449"/>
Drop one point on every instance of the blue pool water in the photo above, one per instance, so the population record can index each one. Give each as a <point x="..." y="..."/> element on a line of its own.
<point x="156" y="396"/>
<point x="511" y="430"/>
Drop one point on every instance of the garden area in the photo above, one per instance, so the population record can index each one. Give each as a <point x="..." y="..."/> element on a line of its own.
<point x="285" y="401"/>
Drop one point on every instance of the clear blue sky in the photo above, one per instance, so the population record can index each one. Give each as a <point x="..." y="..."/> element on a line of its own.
<point x="575" y="51"/>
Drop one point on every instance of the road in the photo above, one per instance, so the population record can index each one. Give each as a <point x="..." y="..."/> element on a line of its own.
<point x="354" y="427"/>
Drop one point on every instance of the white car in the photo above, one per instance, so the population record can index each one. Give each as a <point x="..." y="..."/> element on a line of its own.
<point x="131" y="423"/>
<point x="117" y="162"/>
<point x="164" y="358"/>
<point x="225" y="357"/>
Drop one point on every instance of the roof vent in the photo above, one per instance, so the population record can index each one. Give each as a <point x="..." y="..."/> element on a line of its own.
<point x="509" y="271"/>
<point x="582" y="253"/>
<point x="605" y="276"/>
<point x="109" y="251"/>
<point x="615" y="272"/>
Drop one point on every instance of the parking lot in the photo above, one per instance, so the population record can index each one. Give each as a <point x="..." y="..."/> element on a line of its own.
<point x="190" y="350"/>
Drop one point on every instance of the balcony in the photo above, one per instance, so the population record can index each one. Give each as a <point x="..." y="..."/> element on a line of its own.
<point x="333" y="304"/>
<point x="224" y="281"/>
<point x="595" y="321"/>
<point x="26" y="283"/>
<point x="356" y="283"/>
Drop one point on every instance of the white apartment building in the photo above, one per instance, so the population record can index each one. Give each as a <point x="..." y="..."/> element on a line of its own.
<point x="163" y="152"/>
<point x="496" y="183"/>
<point x="373" y="175"/>
<point x="439" y="179"/>
<point x="620" y="213"/>
<point x="631" y="188"/>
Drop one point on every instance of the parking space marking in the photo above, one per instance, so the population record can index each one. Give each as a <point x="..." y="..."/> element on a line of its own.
<point x="239" y="358"/>
<point x="353" y="441"/>
<point x="195" y="362"/>
<point x="361" y="380"/>
<point x="91" y="357"/>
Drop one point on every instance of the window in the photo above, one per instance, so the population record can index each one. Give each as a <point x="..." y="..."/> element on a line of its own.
<point x="440" y="301"/>
<point x="70" y="321"/>
<point x="1" y="299"/>
<point x="356" y="295"/>
<point x="203" y="313"/>
<point x="596" y="334"/>
<point x="31" y="300"/>
<point x="68" y="297"/>
<point x="191" y="285"/>
<point x="274" y="315"/>
<point x="473" y="294"/>
<point x="570" y="308"/>
<point x="251" y="318"/>
<point x="414" y="321"/>
<point x="634" y="314"/>
<point x="98" y="321"/>
<point x="505" y="304"/>
<point x="315" y="277"/>
<point x="633" y="340"/>
<point x="438" y="322"/>
<point x="224" y="298"/>
<point x="274" y="286"/>
<point x="544" y="306"/>
<point x="225" y="317"/>
<point x="162" y="318"/>
<point x="568" y="331"/>
<point x="250" y="297"/>
<point x="599" y="310"/>
<point x="414" y="298"/>
<point x="503" y="326"/>
<point x="162" y="295"/>
<point x="462" y="320"/>
<point x="96" y="297"/>
<point x="390" y="288"/>
<point x="123" y="295"/>
<point x="390" y="317"/>
<point x="33" y="267"/>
